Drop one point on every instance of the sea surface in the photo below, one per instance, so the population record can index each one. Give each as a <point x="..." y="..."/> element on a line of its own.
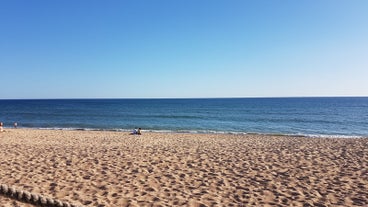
<point x="316" y="117"/>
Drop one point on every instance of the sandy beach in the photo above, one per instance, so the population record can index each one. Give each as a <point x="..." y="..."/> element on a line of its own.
<point x="96" y="168"/>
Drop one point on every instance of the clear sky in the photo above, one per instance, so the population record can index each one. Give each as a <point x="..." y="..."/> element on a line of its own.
<point x="183" y="48"/>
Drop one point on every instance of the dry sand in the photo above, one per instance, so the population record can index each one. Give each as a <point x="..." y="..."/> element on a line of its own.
<point x="167" y="169"/>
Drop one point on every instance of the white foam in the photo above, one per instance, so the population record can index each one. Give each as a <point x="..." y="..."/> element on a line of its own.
<point x="196" y="132"/>
<point x="332" y="136"/>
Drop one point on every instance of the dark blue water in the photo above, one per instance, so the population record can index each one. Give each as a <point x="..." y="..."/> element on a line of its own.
<point x="295" y="116"/>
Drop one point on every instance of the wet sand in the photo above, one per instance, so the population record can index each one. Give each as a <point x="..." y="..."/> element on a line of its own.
<point x="94" y="168"/>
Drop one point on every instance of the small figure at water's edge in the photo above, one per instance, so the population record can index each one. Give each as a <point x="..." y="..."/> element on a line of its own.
<point x="136" y="132"/>
<point x="15" y="124"/>
<point x="139" y="131"/>
<point x="1" y="127"/>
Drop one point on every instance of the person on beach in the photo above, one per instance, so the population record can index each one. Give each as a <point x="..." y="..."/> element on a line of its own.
<point x="15" y="124"/>
<point x="134" y="132"/>
<point x="1" y="127"/>
<point x="139" y="131"/>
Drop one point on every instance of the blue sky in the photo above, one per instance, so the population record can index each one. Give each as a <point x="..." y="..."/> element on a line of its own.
<point x="152" y="49"/>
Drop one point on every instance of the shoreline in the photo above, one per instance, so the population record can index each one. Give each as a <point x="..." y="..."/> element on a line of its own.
<point x="105" y="168"/>
<point x="193" y="132"/>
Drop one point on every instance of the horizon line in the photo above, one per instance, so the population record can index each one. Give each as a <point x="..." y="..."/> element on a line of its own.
<point x="235" y="97"/>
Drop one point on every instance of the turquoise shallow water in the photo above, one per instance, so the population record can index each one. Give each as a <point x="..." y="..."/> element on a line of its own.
<point x="346" y="116"/>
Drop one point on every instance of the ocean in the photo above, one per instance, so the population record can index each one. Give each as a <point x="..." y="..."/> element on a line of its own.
<point x="315" y="117"/>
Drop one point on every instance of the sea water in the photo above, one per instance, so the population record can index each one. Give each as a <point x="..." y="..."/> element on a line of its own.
<point x="340" y="117"/>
